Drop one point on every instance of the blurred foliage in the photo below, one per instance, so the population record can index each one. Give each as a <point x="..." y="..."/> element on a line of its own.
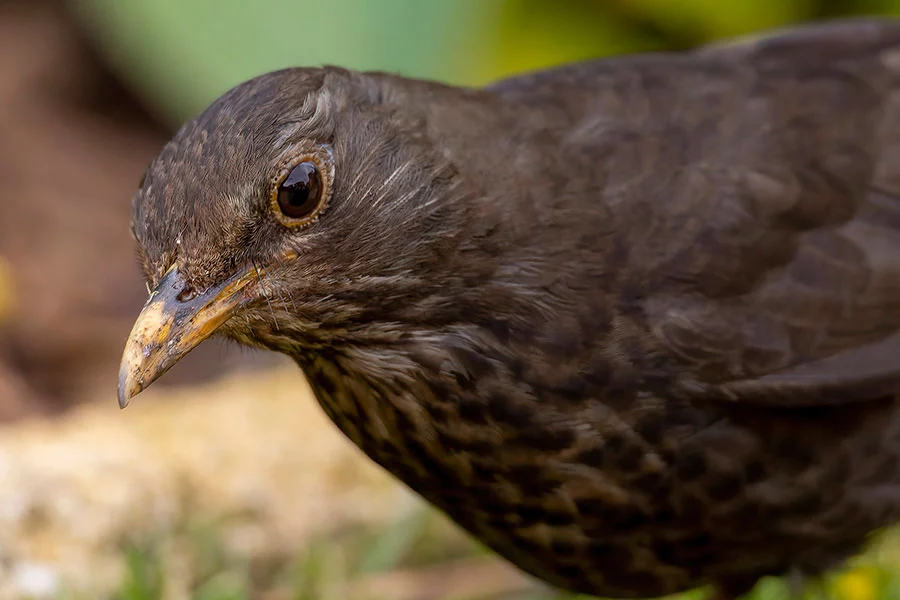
<point x="182" y="54"/>
<point x="340" y="570"/>
<point x="179" y="55"/>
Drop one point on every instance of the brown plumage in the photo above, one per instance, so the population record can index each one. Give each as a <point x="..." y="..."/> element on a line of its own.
<point x="633" y="323"/>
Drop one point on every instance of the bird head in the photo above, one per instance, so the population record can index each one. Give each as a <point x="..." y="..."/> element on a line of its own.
<point x="301" y="207"/>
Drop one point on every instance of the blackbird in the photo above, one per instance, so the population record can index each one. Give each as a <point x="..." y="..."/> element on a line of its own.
<point x="633" y="323"/>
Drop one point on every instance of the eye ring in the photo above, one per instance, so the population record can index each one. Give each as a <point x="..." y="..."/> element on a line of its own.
<point x="301" y="188"/>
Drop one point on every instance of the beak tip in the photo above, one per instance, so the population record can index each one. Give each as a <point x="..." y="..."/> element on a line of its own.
<point x="167" y="328"/>
<point x="128" y="388"/>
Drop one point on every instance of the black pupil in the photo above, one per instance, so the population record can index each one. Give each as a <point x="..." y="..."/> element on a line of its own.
<point x="298" y="195"/>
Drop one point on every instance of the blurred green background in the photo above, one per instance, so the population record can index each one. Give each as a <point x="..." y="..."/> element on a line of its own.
<point x="180" y="54"/>
<point x="89" y="91"/>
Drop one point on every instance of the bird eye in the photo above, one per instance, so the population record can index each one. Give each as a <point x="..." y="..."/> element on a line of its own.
<point x="300" y="194"/>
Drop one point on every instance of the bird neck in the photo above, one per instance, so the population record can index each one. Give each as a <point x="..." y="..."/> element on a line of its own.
<point x="390" y="399"/>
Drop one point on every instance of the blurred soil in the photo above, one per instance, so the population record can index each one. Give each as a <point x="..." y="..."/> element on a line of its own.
<point x="251" y="459"/>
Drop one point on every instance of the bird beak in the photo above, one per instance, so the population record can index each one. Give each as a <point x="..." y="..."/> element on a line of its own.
<point x="168" y="328"/>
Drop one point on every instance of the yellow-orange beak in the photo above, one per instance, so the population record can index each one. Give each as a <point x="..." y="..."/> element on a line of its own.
<point x="168" y="328"/>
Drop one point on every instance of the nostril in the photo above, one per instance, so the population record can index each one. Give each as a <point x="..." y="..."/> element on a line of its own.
<point x="186" y="294"/>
